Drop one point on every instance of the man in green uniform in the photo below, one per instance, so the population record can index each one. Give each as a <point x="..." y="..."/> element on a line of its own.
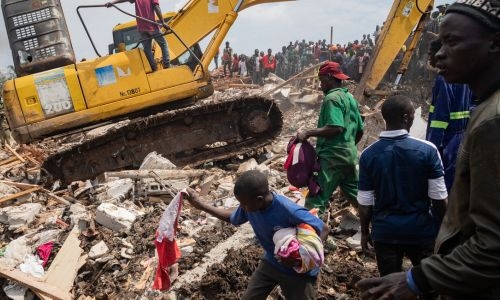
<point x="340" y="128"/>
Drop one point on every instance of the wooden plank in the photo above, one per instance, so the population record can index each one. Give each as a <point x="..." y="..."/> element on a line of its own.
<point x="295" y="77"/>
<point x="8" y="160"/>
<point x="34" y="186"/>
<point x="19" y="184"/>
<point x="17" y="195"/>
<point x="63" y="270"/>
<point x="55" y="197"/>
<point x="163" y="174"/>
<point x="39" y="287"/>
<point x="15" y="153"/>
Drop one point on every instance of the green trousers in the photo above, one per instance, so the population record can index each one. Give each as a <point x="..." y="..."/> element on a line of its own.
<point x="331" y="176"/>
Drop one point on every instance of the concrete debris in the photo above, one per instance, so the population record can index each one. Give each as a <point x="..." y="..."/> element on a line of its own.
<point x="17" y="292"/>
<point x="155" y="161"/>
<point x="263" y="168"/>
<point x="127" y="253"/>
<point x="79" y="213"/>
<point x="17" y="216"/>
<point x="355" y="241"/>
<point x="15" y="252"/>
<point x="350" y="222"/>
<point x="187" y="250"/>
<point x="116" y="191"/>
<point x="84" y="188"/>
<point x="98" y="250"/>
<point x="250" y="164"/>
<point x="310" y="99"/>
<point x="6" y="189"/>
<point x="115" y="218"/>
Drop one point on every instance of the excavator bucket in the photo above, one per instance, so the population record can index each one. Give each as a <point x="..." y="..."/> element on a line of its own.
<point x="249" y="3"/>
<point x="401" y="21"/>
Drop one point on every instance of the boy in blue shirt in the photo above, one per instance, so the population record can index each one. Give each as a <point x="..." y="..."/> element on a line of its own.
<point x="267" y="213"/>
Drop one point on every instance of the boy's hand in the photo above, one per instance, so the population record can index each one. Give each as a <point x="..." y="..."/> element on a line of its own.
<point x="194" y="198"/>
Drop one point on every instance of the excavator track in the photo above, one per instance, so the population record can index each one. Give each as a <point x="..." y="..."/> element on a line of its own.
<point x="191" y="135"/>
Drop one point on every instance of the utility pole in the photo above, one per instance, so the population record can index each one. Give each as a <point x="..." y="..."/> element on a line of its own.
<point x="331" y="43"/>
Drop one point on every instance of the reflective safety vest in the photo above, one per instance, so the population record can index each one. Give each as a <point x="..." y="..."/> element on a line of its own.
<point x="449" y="112"/>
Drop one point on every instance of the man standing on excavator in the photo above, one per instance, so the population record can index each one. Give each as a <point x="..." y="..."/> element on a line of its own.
<point x="467" y="259"/>
<point x="146" y="9"/>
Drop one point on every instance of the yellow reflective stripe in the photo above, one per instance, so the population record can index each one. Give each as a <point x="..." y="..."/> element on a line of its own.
<point x="439" y="124"/>
<point x="431" y="109"/>
<point x="459" y="115"/>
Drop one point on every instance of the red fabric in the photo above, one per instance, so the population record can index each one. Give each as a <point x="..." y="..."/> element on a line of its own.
<point x="168" y="254"/>
<point x="289" y="158"/>
<point x="44" y="252"/>
<point x="144" y="9"/>
<point x="269" y="62"/>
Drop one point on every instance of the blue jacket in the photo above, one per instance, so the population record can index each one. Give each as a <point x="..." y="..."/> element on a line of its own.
<point x="449" y="112"/>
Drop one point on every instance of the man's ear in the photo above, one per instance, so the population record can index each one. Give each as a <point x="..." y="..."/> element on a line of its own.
<point x="495" y="45"/>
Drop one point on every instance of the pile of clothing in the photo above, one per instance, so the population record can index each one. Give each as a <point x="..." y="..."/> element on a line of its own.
<point x="299" y="247"/>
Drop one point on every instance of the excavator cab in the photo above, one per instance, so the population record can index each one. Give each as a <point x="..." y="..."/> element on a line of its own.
<point x="126" y="37"/>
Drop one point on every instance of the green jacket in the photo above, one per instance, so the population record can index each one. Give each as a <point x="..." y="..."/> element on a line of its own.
<point x="339" y="108"/>
<point x="467" y="265"/>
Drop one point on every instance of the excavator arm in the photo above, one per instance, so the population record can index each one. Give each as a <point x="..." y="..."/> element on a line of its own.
<point x="404" y="17"/>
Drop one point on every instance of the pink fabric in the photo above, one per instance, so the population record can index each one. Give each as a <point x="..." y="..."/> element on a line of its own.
<point x="291" y="255"/>
<point x="44" y="252"/>
<point x="292" y="247"/>
<point x="144" y="9"/>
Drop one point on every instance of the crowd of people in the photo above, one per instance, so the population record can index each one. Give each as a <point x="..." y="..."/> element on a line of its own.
<point x="296" y="56"/>
<point x="443" y="217"/>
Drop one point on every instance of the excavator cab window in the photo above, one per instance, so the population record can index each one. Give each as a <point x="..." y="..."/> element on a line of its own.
<point x="187" y="58"/>
<point x="129" y="36"/>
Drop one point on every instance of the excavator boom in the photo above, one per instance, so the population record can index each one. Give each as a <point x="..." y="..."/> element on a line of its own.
<point x="399" y="25"/>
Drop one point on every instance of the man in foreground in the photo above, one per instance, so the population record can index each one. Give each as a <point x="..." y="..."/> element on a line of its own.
<point x="467" y="260"/>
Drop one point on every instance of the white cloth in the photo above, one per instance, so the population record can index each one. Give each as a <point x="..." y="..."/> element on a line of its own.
<point x="437" y="189"/>
<point x="366" y="198"/>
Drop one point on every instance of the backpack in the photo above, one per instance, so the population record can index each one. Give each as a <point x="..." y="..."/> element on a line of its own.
<point x="301" y="164"/>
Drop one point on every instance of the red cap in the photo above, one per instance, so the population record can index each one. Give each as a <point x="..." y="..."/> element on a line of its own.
<point x="333" y="69"/>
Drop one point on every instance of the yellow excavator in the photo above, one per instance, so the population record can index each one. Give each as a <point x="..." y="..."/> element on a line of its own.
<point x="151" y="111"/>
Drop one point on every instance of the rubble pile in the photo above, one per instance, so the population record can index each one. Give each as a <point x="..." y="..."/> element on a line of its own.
<point x="94" y="239"/>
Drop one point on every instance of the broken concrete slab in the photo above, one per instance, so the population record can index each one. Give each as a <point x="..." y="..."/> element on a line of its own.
<point x="263" y="169"/>
<point x="250" y="164"/>
<point x="350" y="222"/>
<point x="6" y="190"/>
<point x="117" y="190"/>
<point x="308" y="99"/>
<point x="78" y="213"/>
<point x="17" y="216"/>
<point x="156" y="161"/>
<point x="114" y="217"/>
<point x="354" y="242"/>
<point x="98" y="250"/>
